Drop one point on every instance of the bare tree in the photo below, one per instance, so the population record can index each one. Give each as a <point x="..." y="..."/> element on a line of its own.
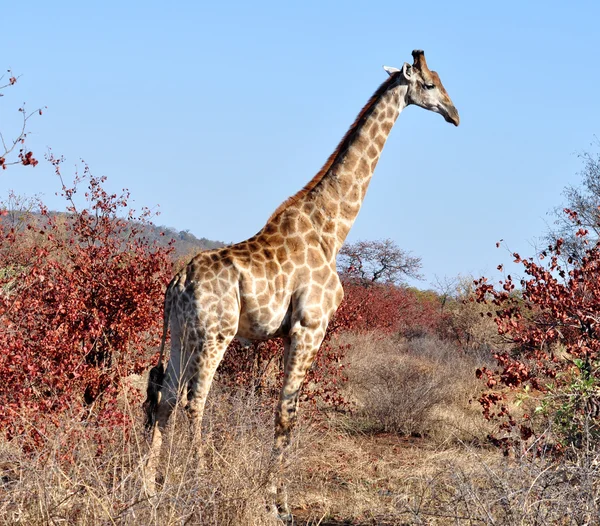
<point x="378" y="261"/>
<point x="581" y="210"/>
<point x="14" y="151"/>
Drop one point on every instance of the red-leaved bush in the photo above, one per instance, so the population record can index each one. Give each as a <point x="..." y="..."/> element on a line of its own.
<point x="80" y="303"/>
<point x="553" y="326"/>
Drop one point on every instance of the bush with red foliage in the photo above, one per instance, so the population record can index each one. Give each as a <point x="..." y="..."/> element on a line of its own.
<point x="388" y="309"/>
<point x="80" y="303"/>
<point x="553" y="326"/>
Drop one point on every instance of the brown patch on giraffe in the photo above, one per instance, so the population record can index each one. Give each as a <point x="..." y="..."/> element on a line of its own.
<point x="295" y="244"/>
<point x="269" y="228"/>
<point x="281" y="253"/>
<point x="340" y="149"/>
<point x="328" y="227"/>
<point x="275" y="240"/>
<point x="227" y="260"/>
<point x="224" y="282"/>
<point x="315" y="257"/>
<point x="353" y="197"/>
<point x="379" y="142"/>
<point x="374" y="130"/>
<point x="261" y="286"/>
<point x="258" y="270"/>
<point x="272" y="268"/>
<point x="317" y="217"/>
<point x="288" y="267"/>
<point x="391" y="112"/>
<point x="239" y="251"/>
<point x="287" y="224"/>
<point x="333" y="210"/>
<point x="349" y="212"/>
<point x="386" y="127"/>
<point x="345" y="184"/>
<point x="321" y="275"/>
<point x="209" y="275"/>
<point x="363" y="167"/>
<point x="261" y="299"/>
<point x="298" y="257"/>
<point x="309" y="206"/>
<point x="280" y="284"/>
<point x="372" y="152"/>
<point x="304" y="224"/>
<point x="312" y="239"/>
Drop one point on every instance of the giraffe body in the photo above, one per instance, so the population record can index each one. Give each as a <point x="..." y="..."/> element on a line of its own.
<point x="282" y="282"/>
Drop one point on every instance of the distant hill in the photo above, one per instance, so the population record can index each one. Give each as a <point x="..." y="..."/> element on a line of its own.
<point x="185" y="244"/>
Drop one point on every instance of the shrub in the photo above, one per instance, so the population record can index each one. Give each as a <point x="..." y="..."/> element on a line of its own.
<point x="81" y="302"/>
<point x="421" y="386"/>
<point x="554" y="357"/>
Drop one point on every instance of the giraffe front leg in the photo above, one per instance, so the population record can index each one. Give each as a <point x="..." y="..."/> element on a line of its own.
<point x="299" y="355"/>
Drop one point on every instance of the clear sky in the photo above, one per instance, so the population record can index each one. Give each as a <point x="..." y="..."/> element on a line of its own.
<point x="219" y="111"/>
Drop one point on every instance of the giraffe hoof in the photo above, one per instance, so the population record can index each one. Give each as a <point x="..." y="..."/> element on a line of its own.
<point x="286" y="518"/>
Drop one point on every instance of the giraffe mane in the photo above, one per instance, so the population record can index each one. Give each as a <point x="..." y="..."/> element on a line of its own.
<point x="339" y="150"/>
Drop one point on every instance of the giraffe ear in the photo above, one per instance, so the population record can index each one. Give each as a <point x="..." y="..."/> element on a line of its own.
<point x="407" y="70"/>
<point x="390" y="70"/>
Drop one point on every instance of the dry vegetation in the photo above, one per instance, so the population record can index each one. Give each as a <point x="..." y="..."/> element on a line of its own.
<point x="412" y="451"/>
<point x="419" y="387"/>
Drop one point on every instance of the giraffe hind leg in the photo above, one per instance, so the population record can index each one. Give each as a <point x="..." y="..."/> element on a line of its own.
<point x="206" y="361"/>
<point x="162" y="393"/>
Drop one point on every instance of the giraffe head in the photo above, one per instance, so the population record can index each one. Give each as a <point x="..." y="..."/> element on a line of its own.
<point x="425" y="88"/>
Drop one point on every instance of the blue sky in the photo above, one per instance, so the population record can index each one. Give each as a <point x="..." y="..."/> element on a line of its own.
<point x="217" y="112"/>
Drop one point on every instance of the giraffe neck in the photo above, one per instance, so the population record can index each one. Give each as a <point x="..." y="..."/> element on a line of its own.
<point x="342" y="191"/>
<point x="332" y="199"/>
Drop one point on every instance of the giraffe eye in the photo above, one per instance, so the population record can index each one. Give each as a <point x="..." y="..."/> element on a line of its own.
<point x="429" y="86"/>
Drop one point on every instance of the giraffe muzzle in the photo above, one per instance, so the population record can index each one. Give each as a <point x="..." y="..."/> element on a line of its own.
<point x="452" y="117"/>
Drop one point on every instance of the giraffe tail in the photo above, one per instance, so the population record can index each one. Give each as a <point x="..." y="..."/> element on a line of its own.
<point x="157" y="373"/>
<point x="155" y="381"/>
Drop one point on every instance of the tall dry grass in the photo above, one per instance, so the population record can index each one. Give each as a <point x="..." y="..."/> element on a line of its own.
<point x="386" y="480"/>
<point x="106" y="487"/>
<point x="423" y="387"/>
<point x="412" y="452"/>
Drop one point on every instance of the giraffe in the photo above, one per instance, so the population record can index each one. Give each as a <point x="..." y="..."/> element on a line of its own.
<point x="282" y="282"/>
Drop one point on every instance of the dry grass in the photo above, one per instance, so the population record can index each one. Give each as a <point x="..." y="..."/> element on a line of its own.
<point x="345" y="470"/>
<point x="106" y="488"/>
<point x="421" y="387"/>
<point x="390" y="480"/>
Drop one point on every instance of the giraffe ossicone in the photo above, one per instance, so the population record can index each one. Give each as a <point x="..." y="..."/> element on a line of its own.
<point x="282" y="282"/>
